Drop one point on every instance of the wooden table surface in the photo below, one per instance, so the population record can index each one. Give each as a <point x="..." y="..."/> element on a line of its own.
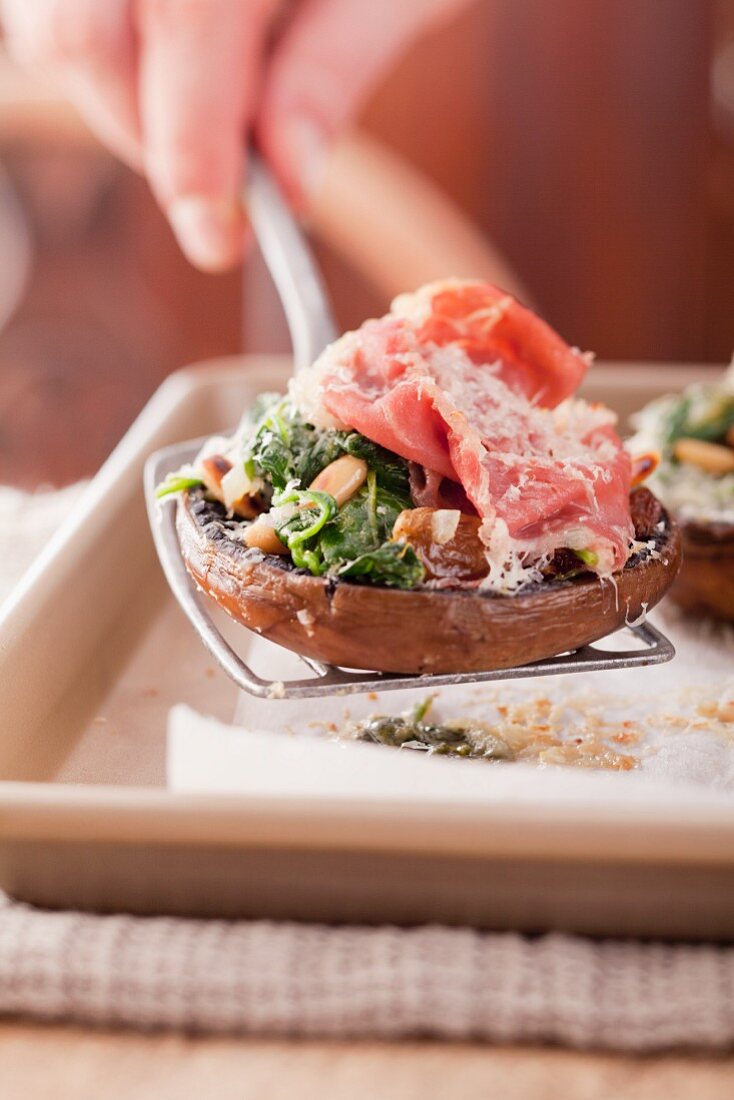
<point x="57" y="1063"/>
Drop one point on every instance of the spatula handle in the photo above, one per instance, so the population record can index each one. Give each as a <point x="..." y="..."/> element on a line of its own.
<point x="291" y="264"/>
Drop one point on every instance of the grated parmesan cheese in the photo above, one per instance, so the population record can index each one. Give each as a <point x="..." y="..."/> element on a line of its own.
<point x="444" y="523"/>
<point x="236" y="484"/>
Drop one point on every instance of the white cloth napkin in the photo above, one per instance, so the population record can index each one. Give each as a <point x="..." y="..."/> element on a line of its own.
<point x="674" y="721"/>
<point x="208" y="756"/>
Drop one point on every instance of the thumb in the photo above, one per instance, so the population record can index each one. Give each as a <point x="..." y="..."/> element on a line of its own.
<point x="331" y="55"/>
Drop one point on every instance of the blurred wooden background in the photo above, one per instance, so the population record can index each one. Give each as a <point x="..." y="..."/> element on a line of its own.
<point x="592" y="140"/>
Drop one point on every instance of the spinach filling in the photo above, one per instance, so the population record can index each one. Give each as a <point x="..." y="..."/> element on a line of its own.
<point x="352" y="541"/>
<point x="703" y="412"/>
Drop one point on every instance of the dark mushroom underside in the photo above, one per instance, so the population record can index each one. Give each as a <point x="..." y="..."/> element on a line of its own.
<point x="420" y="630"/>
<point x="705" y="584"/>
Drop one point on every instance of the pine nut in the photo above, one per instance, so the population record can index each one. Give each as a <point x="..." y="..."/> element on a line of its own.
<point x="341" y="478"/>
<point x="710" y="457"/>
<point x="444" y="523"/>
<point x="261" y="535"/>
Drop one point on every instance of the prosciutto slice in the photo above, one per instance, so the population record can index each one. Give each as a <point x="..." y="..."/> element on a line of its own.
<point x="493" y="327"/>
<point x="465" y="381"/>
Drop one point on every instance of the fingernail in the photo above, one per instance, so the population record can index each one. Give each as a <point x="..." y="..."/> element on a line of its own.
<point x="307" y="149"/>
<point x="210" y="231"/>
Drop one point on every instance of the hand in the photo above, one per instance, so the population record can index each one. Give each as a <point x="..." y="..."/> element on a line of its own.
<point x="175" y="86"/>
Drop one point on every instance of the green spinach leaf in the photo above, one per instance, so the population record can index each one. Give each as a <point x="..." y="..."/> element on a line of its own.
<point x="705" y="413"/>
<point x="391" y="471"/>
<point x="354" y="540"/>
<point x="285" y="448"/>
<point x="393" y="564"/>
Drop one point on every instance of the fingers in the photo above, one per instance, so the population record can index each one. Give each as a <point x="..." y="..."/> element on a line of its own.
<point x="199" y="73"/>
<point x="330" y="57"/>
<point x="173" y="87"/>
<point x="89" y="47"/>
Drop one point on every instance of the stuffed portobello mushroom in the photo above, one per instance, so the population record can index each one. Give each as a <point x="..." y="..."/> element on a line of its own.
<point x="693" y="433"/>
<point x="429" y="497"/>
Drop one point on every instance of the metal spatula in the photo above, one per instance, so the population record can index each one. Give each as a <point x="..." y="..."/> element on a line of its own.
<point x="299" y="285"/>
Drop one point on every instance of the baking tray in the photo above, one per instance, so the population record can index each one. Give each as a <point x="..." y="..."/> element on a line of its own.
<point x="93" y="653"/>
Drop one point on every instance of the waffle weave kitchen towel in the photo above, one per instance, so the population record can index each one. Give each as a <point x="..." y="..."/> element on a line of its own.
<point x="260" y="977"/>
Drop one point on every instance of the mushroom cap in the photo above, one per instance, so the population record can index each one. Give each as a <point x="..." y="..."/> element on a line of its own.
<point x="421" y="630"/>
